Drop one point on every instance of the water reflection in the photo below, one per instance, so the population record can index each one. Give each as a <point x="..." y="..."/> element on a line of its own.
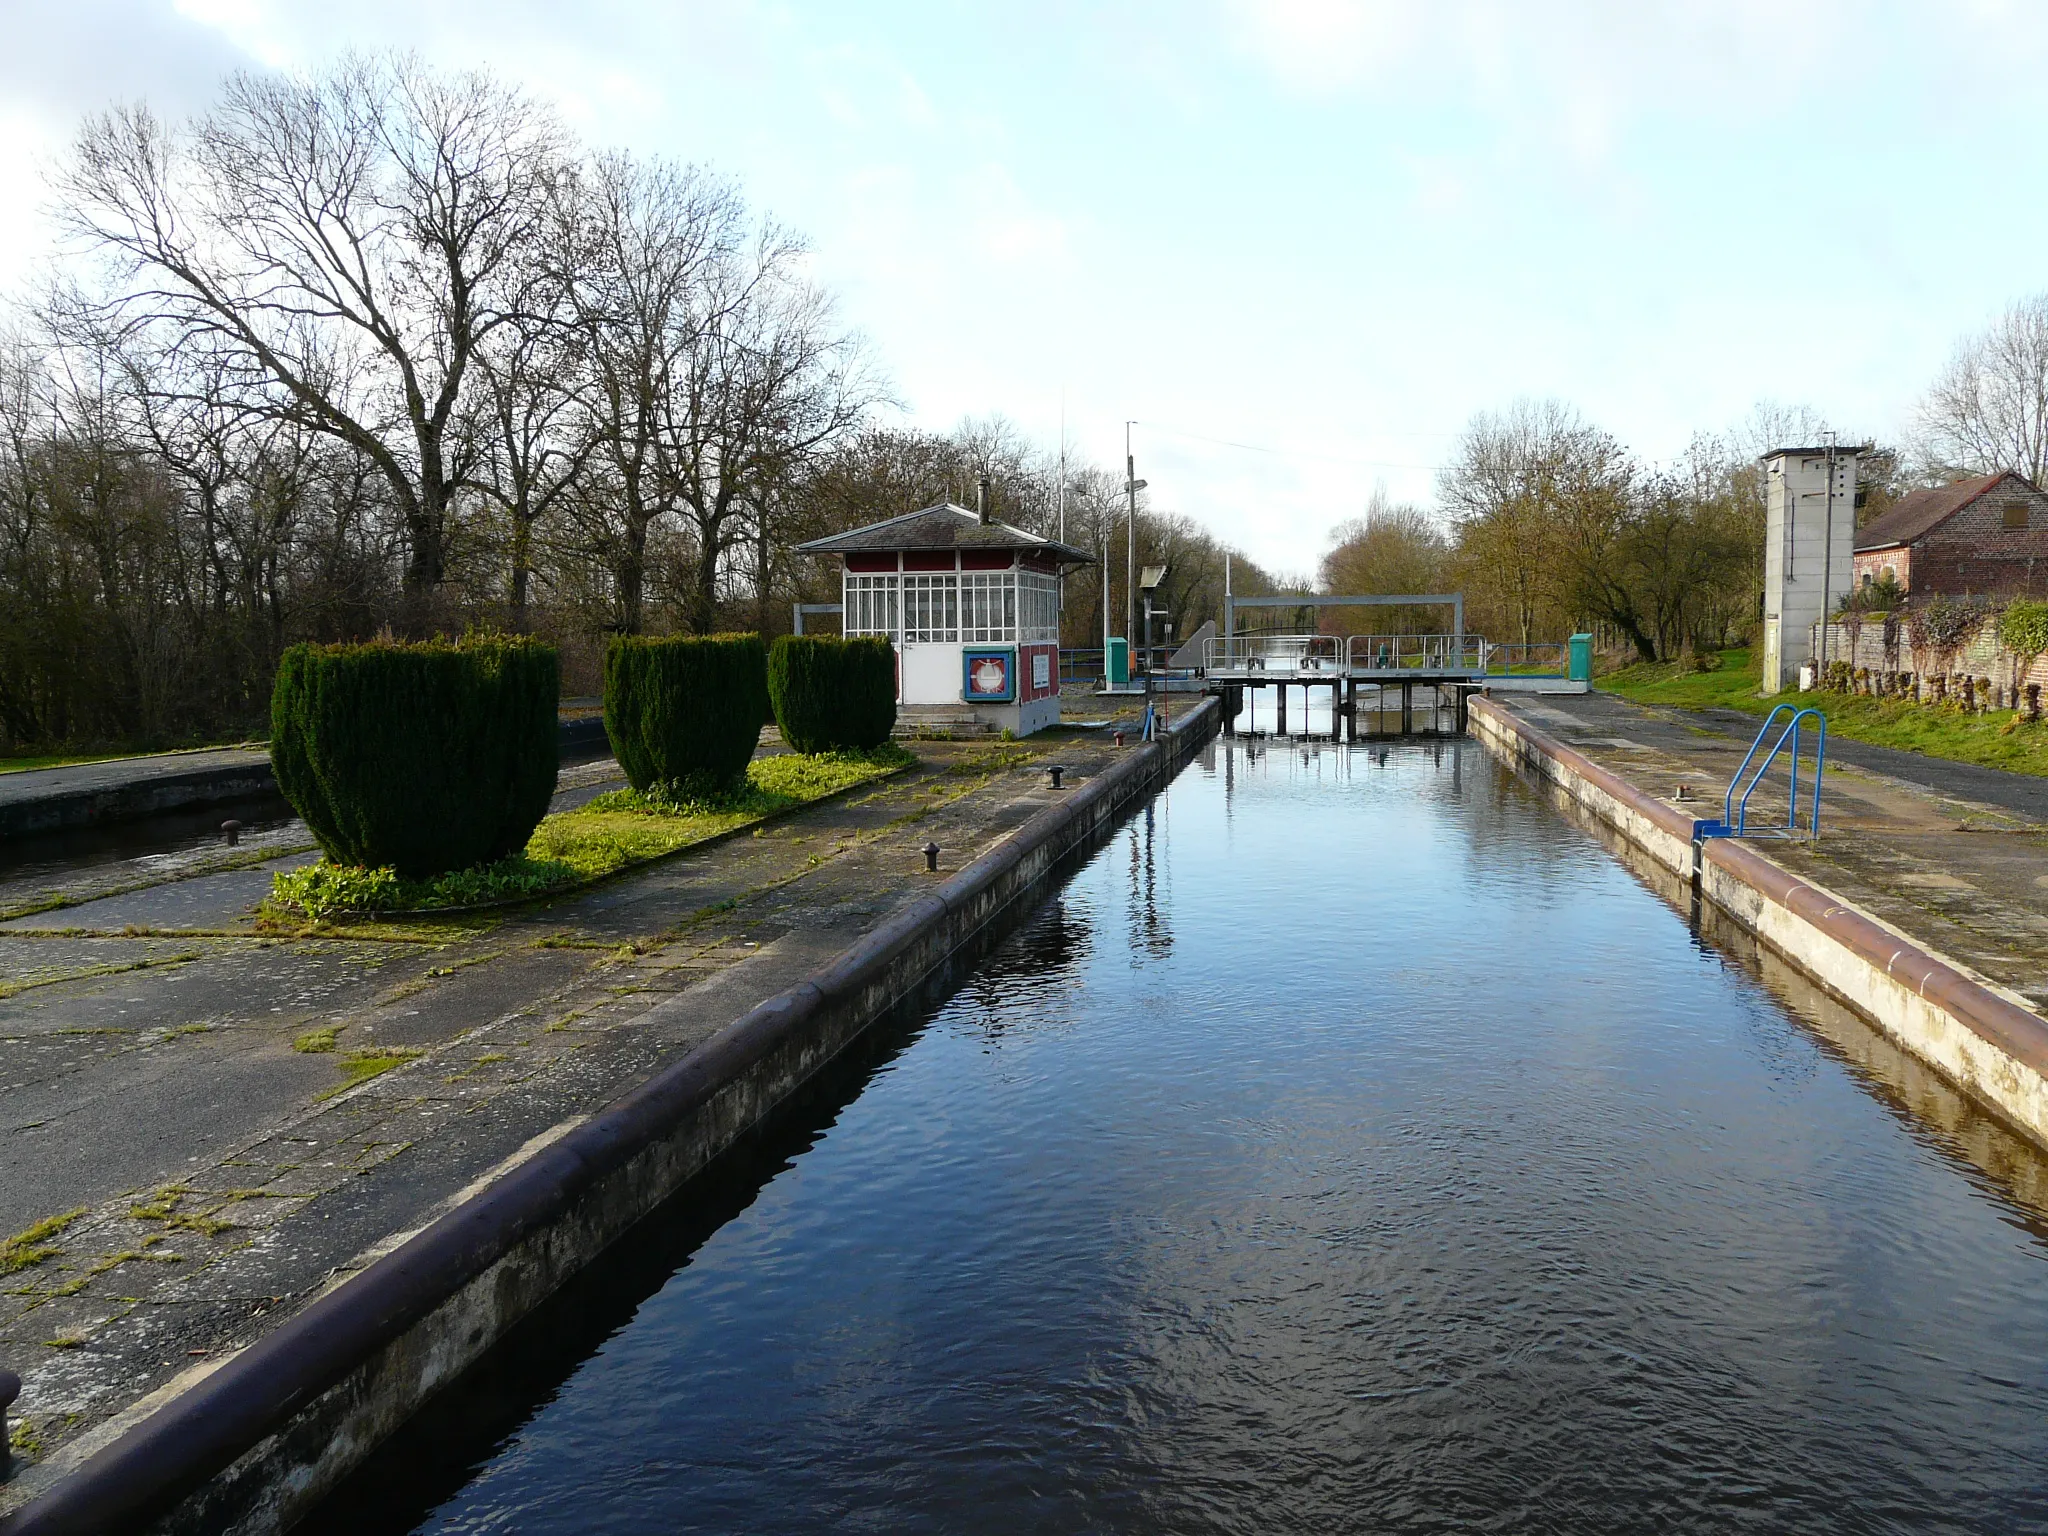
<point x="1428" y="1174"/>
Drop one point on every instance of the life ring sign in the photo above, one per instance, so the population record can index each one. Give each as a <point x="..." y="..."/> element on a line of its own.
<point x="989" y="676"/>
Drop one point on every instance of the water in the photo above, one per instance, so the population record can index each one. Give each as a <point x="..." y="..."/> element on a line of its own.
<point x="1354" y="1145"/>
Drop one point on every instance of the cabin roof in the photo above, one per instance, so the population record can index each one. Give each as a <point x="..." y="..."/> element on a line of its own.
<point x="945" y="526"/>
<point x="1918" y="512"/>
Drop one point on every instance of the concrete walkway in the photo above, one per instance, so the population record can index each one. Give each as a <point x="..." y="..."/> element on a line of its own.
<point x="117" y="772"/>
<point x="2026" y="793"/>
<point x="1955" y="856"/>
<point x="38" y="800"/>
<point x="149" y="1079"/>
<point x="44" y="800"/>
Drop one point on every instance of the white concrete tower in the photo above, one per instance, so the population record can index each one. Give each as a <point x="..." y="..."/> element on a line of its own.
<point x="1809" y="551"/>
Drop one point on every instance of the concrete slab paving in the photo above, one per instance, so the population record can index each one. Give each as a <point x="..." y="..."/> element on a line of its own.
<point x="266" y="1175"/>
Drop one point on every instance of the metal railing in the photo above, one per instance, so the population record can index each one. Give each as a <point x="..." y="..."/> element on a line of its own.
<point x="1312" y="656"/>
<point x="1540" y="658"/>
<point x="1415" y="653"/>
<point x="1276" y="655"/>
<point x="1734" y="820"/>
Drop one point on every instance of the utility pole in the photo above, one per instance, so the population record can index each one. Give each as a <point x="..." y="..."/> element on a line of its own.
<point x="1063" y="467"/>
<point x="1105" y="607"/>
<point x="1132" y="485"/>
<point x="1827" y="554"/>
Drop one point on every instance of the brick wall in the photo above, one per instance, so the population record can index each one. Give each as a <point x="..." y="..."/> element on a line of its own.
<point x="1975" y="552"/>
<point x="1871" y="566"/>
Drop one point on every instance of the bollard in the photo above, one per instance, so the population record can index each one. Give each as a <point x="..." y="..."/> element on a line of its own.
<point x="232" y="831"/>
<point x="1119" y="735"/>
<point x="1053" y="772"/>
<point x="931" y="858"/>
<point x="10" y="1389"/>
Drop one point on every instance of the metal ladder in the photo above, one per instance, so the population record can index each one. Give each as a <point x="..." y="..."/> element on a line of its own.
<point x="1734" y="820"/>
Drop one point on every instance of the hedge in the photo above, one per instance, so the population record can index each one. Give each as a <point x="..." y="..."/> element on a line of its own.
<point x="425" y="758"/>
<point x="685" y="713"/>
<point x="830" y="694"/>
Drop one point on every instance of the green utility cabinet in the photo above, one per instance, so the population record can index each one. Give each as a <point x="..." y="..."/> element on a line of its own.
<point x="1117" y="661"/>
<point x="1582" y="659"/>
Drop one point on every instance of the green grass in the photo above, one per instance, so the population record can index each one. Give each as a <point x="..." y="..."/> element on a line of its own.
<point x="1990" y="740"/>
<point x="1733" y="685"/>
<point x="613" y="832"/>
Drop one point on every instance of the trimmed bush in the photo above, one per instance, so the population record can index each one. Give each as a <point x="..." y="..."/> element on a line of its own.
<point x="423" y="758"/>
<point x="833" y="694"/>
<point x="684" y="714"/>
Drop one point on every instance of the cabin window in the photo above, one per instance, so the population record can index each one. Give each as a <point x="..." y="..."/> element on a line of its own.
<point x="931" y="609"/>
<point x="988" y="607"/>
<point x="870" y="606"/>
<point x="1038" y="607"/>
<point x="2016" y="514"/>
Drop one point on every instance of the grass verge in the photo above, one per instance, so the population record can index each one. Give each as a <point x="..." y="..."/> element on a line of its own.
<point x="615" y="831"/>
<point x="1993" y="739"/>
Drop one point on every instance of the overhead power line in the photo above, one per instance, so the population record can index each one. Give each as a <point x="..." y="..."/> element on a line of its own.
<point x="1285" y="453"/>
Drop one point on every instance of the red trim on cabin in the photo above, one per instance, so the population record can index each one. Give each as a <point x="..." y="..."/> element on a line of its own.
<point x="1027" y="671"/>
<point x="984" y="559"/>
<point x="871" y="562"/>
<point x="927" y="560"/>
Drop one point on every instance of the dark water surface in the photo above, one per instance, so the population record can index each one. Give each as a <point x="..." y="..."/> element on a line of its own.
<point x="1354" y="1145"/>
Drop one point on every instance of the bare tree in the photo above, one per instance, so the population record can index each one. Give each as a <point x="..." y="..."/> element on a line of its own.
<point x="771" y="381"/>
<point x="340" y="247"/>
<point x="1989" y="408"/>
<point x="1393" y="548"/>
<point x="638" y="241"/>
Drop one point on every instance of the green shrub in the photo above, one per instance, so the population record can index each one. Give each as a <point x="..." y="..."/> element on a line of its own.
<point x="423" y="758"/>
<point x="2023" y="628"/>
<point x="685" y="713"/>
<point x="833" y="695"/>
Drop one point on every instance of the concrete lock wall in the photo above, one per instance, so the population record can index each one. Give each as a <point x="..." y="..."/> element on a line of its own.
<point x="253" y="1445"/>
<point x="1979" y="1036"/>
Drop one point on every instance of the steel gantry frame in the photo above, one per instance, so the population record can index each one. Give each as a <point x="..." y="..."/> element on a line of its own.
<point x="1455" y="601"/>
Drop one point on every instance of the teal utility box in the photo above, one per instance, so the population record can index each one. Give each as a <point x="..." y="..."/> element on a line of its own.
<point x="1582" y="659"/>
<point x="1117" y="662"/>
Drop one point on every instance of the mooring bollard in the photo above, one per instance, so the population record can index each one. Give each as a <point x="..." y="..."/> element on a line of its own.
<point x="10" y="1389"/>
<point x="931" y="858"/>
<point x="1119" y="735"/>
<point x="1053" y="772"/>
<point x="232" y="831"/>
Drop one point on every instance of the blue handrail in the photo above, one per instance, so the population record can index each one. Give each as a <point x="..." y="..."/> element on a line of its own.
<point x="1735" y="814"/>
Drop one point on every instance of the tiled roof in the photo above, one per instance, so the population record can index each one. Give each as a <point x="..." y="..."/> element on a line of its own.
<point x="1919" y="511"/>
<point x="944" y="526"/>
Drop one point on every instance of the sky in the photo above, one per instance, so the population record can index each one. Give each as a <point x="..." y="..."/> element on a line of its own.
<point x="1298" y="242"/>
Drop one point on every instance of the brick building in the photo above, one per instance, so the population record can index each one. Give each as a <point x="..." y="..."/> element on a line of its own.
<point x="1986" y="534"/>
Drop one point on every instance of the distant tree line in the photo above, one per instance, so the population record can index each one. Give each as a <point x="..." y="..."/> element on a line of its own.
<point x="1549" y="525"/>
<point x="382" y="348"/>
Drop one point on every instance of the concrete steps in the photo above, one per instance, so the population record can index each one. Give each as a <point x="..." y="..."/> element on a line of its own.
<point x="949" y="721"/>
